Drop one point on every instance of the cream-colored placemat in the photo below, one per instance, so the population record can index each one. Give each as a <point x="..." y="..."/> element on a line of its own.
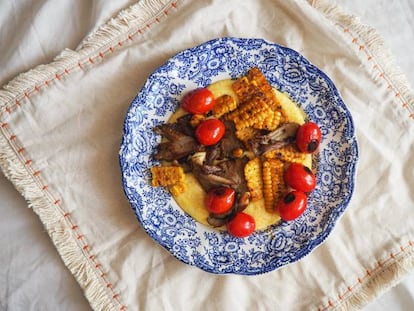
<point x="61" y="127"/>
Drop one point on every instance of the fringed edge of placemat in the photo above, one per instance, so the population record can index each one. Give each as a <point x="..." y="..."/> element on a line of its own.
<point x="374" y="287"/>
<point x="100" y="295"/>
<point x="126" y="24"/>
<point x="54" y="221"/>
<point x="373" y="42"/>
<point x="391" y="274"/>
<point x="53" y="218"/>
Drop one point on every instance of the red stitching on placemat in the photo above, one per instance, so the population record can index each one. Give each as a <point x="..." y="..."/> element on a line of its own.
<point x="21" y="151"/>
<point x="90" y="61"/>
<point x="368" y="273"/>
<point x="86" y="248"/>
<point x="377" y="68"/>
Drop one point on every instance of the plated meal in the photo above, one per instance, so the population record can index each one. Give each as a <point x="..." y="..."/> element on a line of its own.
<point x="238" y="156"/>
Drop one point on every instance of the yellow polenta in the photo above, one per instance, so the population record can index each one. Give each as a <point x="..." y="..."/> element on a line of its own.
<point x="192" y="201"/>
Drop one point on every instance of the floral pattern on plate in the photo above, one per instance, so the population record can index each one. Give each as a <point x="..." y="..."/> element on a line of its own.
<point x="207" y="248"/>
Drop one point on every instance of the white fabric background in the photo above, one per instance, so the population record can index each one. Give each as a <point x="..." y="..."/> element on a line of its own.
<point x="32" y="276"/>
<point x="394" y="21"/>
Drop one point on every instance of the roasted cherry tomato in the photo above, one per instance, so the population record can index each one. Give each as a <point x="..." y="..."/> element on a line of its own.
<point x="198" y="101"/>
<point x="242" y="225"/>
<point x="210" y="131"/>
<point x="220" y="200"/>
<point x="300" y="177"/>
<point x="308" y="137"/>
<point x="292" y="205"/>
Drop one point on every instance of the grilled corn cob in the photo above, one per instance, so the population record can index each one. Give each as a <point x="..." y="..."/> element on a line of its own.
<point x="273" y="183"/>
<point x="289" y="153"/>
<point x="223" y="105"/>
<point x="253" y="111"/>
<point x="253" y="175"/>
<point x="167" y="175"/>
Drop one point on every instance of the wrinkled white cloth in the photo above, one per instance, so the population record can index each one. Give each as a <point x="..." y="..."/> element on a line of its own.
<point x="70" y="130"/>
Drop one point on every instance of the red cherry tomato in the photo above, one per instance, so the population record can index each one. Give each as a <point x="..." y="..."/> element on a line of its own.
<point x="292" y="205"/>
<point x="308" y="137"/>
<point x="300" y="177"/>
<point x="210" y="131"/>
<point x="198" y="101"/>
<point x="220" y="200"/>
<point x="242" y="225"/>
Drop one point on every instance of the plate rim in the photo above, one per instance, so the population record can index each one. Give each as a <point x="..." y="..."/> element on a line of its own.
<point x="331" y="224"/>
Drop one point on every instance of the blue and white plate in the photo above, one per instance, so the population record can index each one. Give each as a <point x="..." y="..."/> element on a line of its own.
<point x="215" y="251"/>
